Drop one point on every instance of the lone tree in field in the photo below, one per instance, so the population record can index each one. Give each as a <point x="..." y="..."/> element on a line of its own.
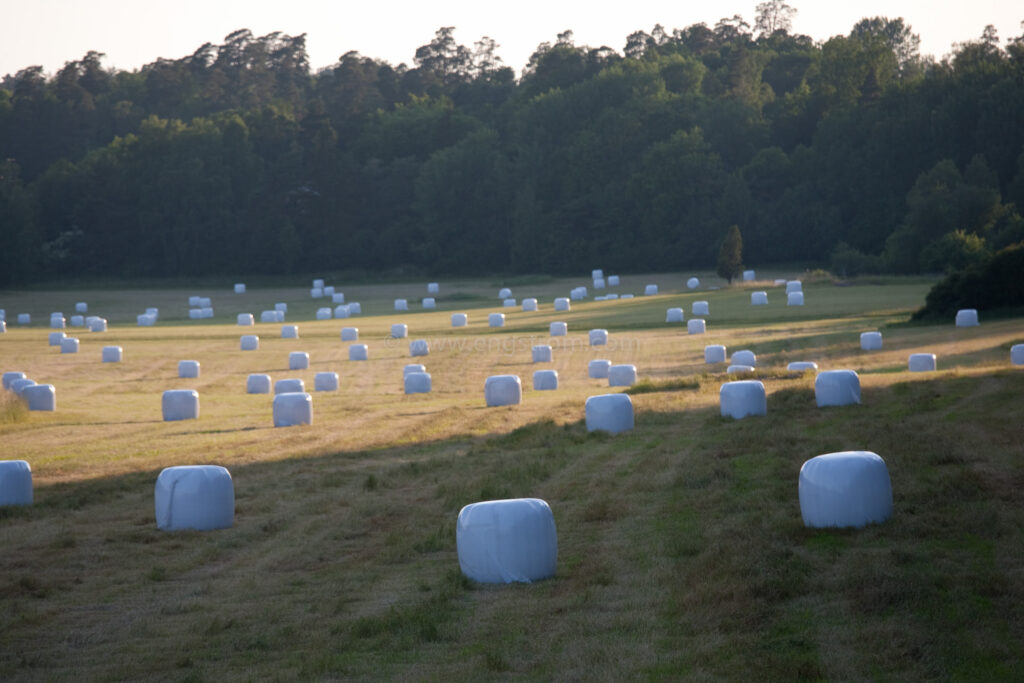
<point x="730" y="254"/>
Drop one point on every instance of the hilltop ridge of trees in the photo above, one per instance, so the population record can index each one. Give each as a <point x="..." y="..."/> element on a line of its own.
<point x="855" y="151"/>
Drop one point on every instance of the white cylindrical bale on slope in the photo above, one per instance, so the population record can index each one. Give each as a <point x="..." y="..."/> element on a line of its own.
<point x="15" y="482"/>
<point x="325" y="381"/>
<point x="268" y="316"/>
<point x="316" y="292"/>
<point x="541" y="353"/>
<point x="324" y="313"/>
<point x="545" y="380"/>
<point x="696" y="326"/>
<point x="759" y="298"/>
<point x="358" y="352"/>
<point x="460" y="319"/>
<point x="81" y="307"/>
<point x="621" y="375"/>
<point x="503" y="390"/>
<point x="18" y="386"/>
<point x="598" y="337"/>
<point x="674" y="315"/>
<point x="613" y="280"/>
<point x="611" y="413"/>
<point x="205" y="302"/>
<point x="700" y="308"/>
<point x="433" y="288"/>
<point x="714" y="353"/>
<point x="529" y="304"/>
<point x="196" y="497"/>
<point x="496" y="320"/>
<point x="651" y="290"/>
<point x="9" y="377"/>
<point x="329" y="291"/>
<point x="399" y="331"/>
<point x="318" y="283"/>
<point x="429" y="302"/>
<point x="611" y="297"/>
<point x="180" y="404"/>
<point x="562" y="304"/>
<point x="509" y="303"/>
<point x="292" y="385"/>
<point x="338" y="298"/>
<point x="195" y="313"/>
<point x="504" y="293"/>
<point x="188" y="368"/>
<point x="967" y="317"/>
<point x="419" y="347"/>
<point x="291" y="409"/>
<point x="42" y="397"/>
<point x="279" y="318"/>
<point x="193" y="301"/>
<point x="837" y="388"/>
<point x="558" y="329"/>
<point x="1017" y="354"/>
<point x="341" y="311"/>
<point x="743" y="398"/>
<point x="849" y="489"/>
<point x="250" y="342"/>
<point x="576" y="294"/>
<point x="871" y="341"/>
<point x="597" y="274"/>
<point x="795" y="299"/>
<point x="145" y="320"/>
<point x="155" y="312"/>
<point x="298" y="360"/>
<point x="57" y="337"/>
<point x="739" y="369"/>
<point x="355" y="308"/>
<point x="206" y="312"/>
<point x="693" y="283"/>
<point x="506" y="541"/>
<point x="413" y="367"/>
<point x="69" y="345"/>
<point x="289" y="331"/>
<point x="744" y="357"/>
<point x="416" y="383"/>
<point x="77" y="321"/>
<point x="802" y="366"/>
<point x="598" y="369"/>
<point x="3" y="326"/>
<point x="57" y="323"/>
<point x="281" y="306"/>
<point x="349" y="334"/>
<point x="599" y="283"/>
<point x="257" y="384"/>
<point x="24" y="318"/>
<point x="112" y="354"/>
<point x="794" y="286"/>
<point x="246" y="320"/>
<point x="748" y="276"/>
<point x="239" y="288"/>
<point x="921" y="362"/>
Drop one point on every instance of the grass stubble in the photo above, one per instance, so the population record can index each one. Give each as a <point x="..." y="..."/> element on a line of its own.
<point x="681" y="549"/>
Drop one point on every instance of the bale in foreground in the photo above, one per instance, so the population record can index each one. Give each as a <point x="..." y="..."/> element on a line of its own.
<point x="743" y="399"/>
<point x="837" y="388"/>
<point x="200" y="497"/>
<point x="609" y="413"/>
<point x="845" y="489"/>
<point x="180" y="404"/>
<point x="505" y="541"/>
<point x="293" y="408"/>
<point x="15" y="482"/>
<point x="503" y="390"/>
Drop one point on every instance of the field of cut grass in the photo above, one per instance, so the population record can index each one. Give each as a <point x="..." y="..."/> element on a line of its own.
<point x="682" y="554"/>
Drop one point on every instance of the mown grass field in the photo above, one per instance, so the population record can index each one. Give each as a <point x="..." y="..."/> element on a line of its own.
<point x="682" y="554"/>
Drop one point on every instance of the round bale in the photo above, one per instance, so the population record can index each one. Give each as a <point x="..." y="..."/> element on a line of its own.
<point x="598" y="369"/>
<point x="529" y="304"/>
<point x="506" y="541"/>
<point x="257" y="384"/>
<point x="795" y="299"/>
<point x="794" y="286"/>
<point x="651" y="290"/>
<point x="324" y="313"/>
<point x="413" y="367"/>
<point x="743" y="398"/>
<point x="700" y="308"/>
<point x="613" y="280"/>
<point x="188" y="368"/>
<point x="837" y="388"/>
<point x="496" y="320"/>
<point x="696" y="326"/>
<point x="180" y="404"/>
<point x="419" y="347"/>
<point x="541" y="353"/>
<point x="545" y="380"/>
<point x="250" y="342"/>
<point x="416" y="383"/>
<point x="246" y="320"/>
<point x="748" y="276"/>
<point x="503" y="390"/>
<point x="967" y="317"/>
<point x="433" y="288"/>
<point x="802" y="366"/>
<point x="325" y="381"/>
<point x="621" y="375"/>
<point x="292" y="385"/>
<point x="558" y="329"/>
<point x="674" y="315"/>
<point x="112" y="354"/>
<point x="350" y="334"/>
<point x="18" y="386"/>
<point x="871" y="341"/>
<point x="693" y="283"/>
<point x="714" y="353"/>
<point x="298" y="360"/>
<point x="759" y="298"/>
<point x="562" y="304"/>
<point x="56" y="338"/>
<point x="9" y="377"/>
<point x="744" y="357"/>
<point x="599" y="337"/>
<point x="41" y="397"/>
<point x="358" y="352"/>
<point x="81" y="307"/>
<point x="460" y="319"/>
<point x="609" y="413"/>
<point x="401" y="305"/>
<point x="293" y="408"/>
<point x="15" y="483"/>
<point x="1017" y="354"/>
<point x="289" y="331"/>
<point x="429" y="302"/>
<point x="504" y="293"/>
<point x="399" y="331"/>
<point x="239" y="288"/>
<point x="69" y="345"/>
<point x="197" y="497"/>
<point x="849" y="489"/>
<point x="921" y="362"/>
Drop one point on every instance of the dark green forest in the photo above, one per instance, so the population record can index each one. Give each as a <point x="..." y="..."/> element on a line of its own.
<point x="855" y="153"/>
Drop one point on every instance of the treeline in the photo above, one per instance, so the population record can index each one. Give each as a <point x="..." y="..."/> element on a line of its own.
<point x="238" y="159"/>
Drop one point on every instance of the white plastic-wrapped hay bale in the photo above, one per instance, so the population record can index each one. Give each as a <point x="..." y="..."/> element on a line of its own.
<point x="743" y="398"/>
<point x="598" y="369"/>
<point x="193" y="301"/>
<point x="289" y="331"/>
<point x="324" y="313"/>
<point x="576" y="294"/>
<point x="613" y="280"/>
<point x="205" y="302"/>
<point x="90" y="320"/>
<point x="81" y="307"/>
<point x="42" y="397"/>
<point x="350" y="334"/>
<point x="15" y="482"/>
<point x="24" y="318"/>
<point x="316" y="292"/>
<point x="399" y="331"/>
<point x="1017" y="354"/>
<point x="401" y="305"/>
<point x="112" y="354"/>
<point x="318" y="283"/>
<point x="967" y="317"/>
<point x="507" y="541"/>
<point x="739" y="369"/>
<point x="358" y="352"/>
<point x="419" y="347"/>
<point x="195" y="497"/>
<point x="795" y="299"/>
<point x="794" y="286"/>
<point x="503" y="390"/>
<point x="325" y="381"/>
<point x="530" y="304"/>
<point x="599" y="337"/>
<point x="759" y="298"/>
<point x="837" y="388"/>
<point x="849" y="489"/>
<point x="180" y="404"/>
<point x="206" y="311"/>
<point x="504" y="293"/>
<point x="611" y="413"/>
<point x="292" y="409"/>
<point x="599" y="283"/>
<point x="600" y="298"/>
<point x="545" y="380"/>
<point x="57" y="322"/>
<point x="195" y="313"/>
<point x="700" y="308"/>
<point x="541" y="353"/>
<point x="281" y="306"/>
<point x="509" y="303"/>
<point x="298" y="360"/>
<point x="3" y="314"/>
<point x="650" y="290"/>
<point x="268" y="316"/>
<point x="433" y="288"/>
<point x="748" y="276"/>
<point x="558" y="329"/>
<point x="338" y="298"/>
<point x="744" y="357"/>
<point x="802" y="366"/>
<point x="460" y="319"/>
<point x="621" y="375"/>
<point x="56" y="338"/>
<point x="413" y="367"/>
<point x="674" y="315"/>
<point x="250" y="342"/>
<point x="69" y="345"/>
<point x="692" y="283"/>
<point x="188" y="369"/>
<point x="611" y="297"/>
<point x="257" y="384"/>
<point x="77" y="321"/>
<point x="429" y="302"/>
<point x="341" y="311"/>
<point x="3" y="326"/>
<point x="329" y="291"/>
<point x="18" y="386"/>
<point x="496" y="320"/>
<point x="292" y="385"/>
<point x="416" y="383"/>
<point x="696" y="326"/>
<point x="921" y="362"/>
<point x="246" y="320"/>
<point x="714" y="353"/>
<point x="871" y="341"/>
<point x="9" y="377"/>
<point x="239" y="288"/>
<point x="155" y="312"/>
<point x="597" y="274"/>
<point x="562" y="304"/>
<point x="145" y="320"/>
